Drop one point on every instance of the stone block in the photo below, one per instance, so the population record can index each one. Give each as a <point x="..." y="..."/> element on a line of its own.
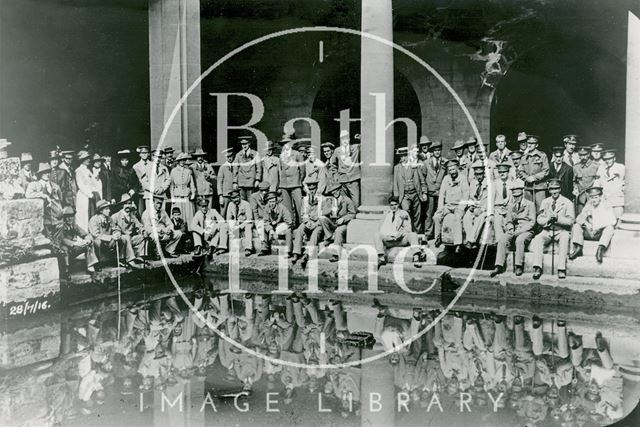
<point x="9" y="167"/>
<point x="30" y="288"/>
<point x="33" y="344"/>
<point x="21" y="223"/>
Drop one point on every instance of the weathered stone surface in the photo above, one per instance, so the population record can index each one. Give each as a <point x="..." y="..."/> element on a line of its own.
<point x="22" y="282"/>
<point x="29" y="345"/>
<point x="9" y="167"/>
<point x="21" y="223"/>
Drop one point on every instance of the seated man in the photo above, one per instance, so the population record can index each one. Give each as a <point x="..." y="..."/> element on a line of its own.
<point x="158" y="226"/>
<point x="596" y="222"/>
<point x="209" y="230"/>
<point x="518" y="227"/>
<point x="310" y="226"/>
<point x="258" y="200"/>
<point x="338" y="210"/>
<point x="476" y="214"/>
<point x="107" y="240"/>
<point x="51" y="194"/>
<point x="73" y="241"/>
<point x="556" y="217"/>
<point x="185" y="245"/>
<point x="128" y="223"/>
<point x="240" y="218"/>
<point x="274" y="221"/>
<point x="395" y="231"/>
<point x="502" y="187"/>
<point x="454" y="194"/>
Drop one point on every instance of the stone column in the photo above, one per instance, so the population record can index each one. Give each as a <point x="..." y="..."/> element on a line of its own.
<point x="376" y="76"/>
<point x="174" y="64"/>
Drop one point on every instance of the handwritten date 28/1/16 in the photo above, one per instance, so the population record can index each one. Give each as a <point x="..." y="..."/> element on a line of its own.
<point x="27" y="308"/>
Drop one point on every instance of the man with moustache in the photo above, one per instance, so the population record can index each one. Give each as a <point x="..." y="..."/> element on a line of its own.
<point x="247" y="169"/>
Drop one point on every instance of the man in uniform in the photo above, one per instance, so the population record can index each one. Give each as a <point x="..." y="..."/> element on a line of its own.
<point x="310" y="226"/>
<point x="142" y="169"/>
<point x="270" y="167"/>
<point x="105" y="237"/>
<point x="556" y="217"/>
<point x="338" y="210"/>
<point x="596" y="222"/>
<point x="461" y="157"/>
<point x="560" y="170"/>
<point x="395" y="231"/>
<point x="408" y="187"/>
<point x="477" y="213"/>
<point x="69" y="197"/>
<point x="128" y="223"/>
<point x="124" y="177"/>
<point x="501" y="197"/>
<point x="258" y="200"/>
<point x="291" y="174"/>
<point x="272" y="222"/>
<point x="158" y="225"/>
<point x="240" y="218"/>
<point x="247" y="169"/>
<point x="533" y="170"/>
<point x="585" y="172"/>
<point x="501" y="154"/>
<point x="74" y="241"/>
<point x="454" y="194"/>
<point x="225" y="181"/>
<point x="209" y="230"/>
<point x="596" y="153"/>
<point x="315" y="170"/>
<point x="611" y="177"/>
<point x="522" y="142"/>
<point x="433" y="171"/>
<point x="204" y="176"/>
<point x="346" y="163"/>
<point x="569" y="155"/>
<point x="518" y="228"/>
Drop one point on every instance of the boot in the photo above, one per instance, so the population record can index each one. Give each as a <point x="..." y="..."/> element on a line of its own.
<point x="519" y="270"/>
<point x="600" y="254"/>
<point x="537" y="272"/>
<point x="576" y="252"/>
<point x="438" y="242"/>
<point x="562" y="274"/>
<point x="498" y="270"/>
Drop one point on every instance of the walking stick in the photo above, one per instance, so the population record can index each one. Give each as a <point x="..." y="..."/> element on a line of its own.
<point x="553" y="246"/>
<point x="118" y="277"/>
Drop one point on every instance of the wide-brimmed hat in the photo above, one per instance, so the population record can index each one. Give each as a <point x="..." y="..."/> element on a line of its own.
<point x="199" y="152"/>
<point x="102" y="204"/>
<point x="83" y="154"/>
<point x="183" y="156"/>
<point x="453" y="162"/>
<point x="458" y="145"/>
<point x="270" y="146"/>
<point x="517" y="184"/>
<point x="471" y="141"/>
<point x="478" y="164"/>
<point x="522" y="136"/>
<point x="42" y="168"/>
<point x="287" y="137"/>
<point x="436" y="146"/>
<point x="125" y="198"/>
<point x="424" y="140"/>
<point x="68" y="211"/>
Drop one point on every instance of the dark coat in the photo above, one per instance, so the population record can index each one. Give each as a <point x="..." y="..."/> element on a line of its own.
<point x="565" y="175"/>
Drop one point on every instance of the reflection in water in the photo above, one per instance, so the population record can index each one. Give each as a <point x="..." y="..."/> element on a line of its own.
<point x="158" y="363"/>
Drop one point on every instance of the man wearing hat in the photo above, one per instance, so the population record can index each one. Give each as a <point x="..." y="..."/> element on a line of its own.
<point x="315" y="170"/>
<point x="560" y="170"/>
<point x="327" y="149"/>
<point x="476" y="215"/>
<point x="258" y="200"/>
<point x="611" y="178"/>
<point x="338" y="210"/>
<point x="522" y="142"/>
<point x="142" y="168"/>
<point x="596" y="222"/>
<point x="73" y="241"/>
<point x="51" y="194"/>
<point x="159" y="227"/>
<point x="60" y="177"/>
<point x="395" y="231"/>
<point x="161" y="179"/>
<point x="472" y="150"/>
<point x="556" y="217"/>
<point x="461" y="157"/>
<point x="183" y="187"/>
<point x="408" y="187"/>
<point x="247" y="169"/>
<point x="454" y="193"/>
<point x="240" y="217"/>
<point x="585" y="173"/>
<point x="270" y="167"/>
<point x="501" y="197"/>
<point x="517" y="228"/>
<point x="26" y="174"/>
<point x="124" y="179"/>
<point x="291" y="174"/>
<point x="273" y="222"/>
<point x="433" y="171"/>
<point x="128" y="223"/>
<point x="204" y="176"/>
<point x="569" y="154"/>
<point x="346" y="163"/>
<point x="533" y="170"/>
<point x="168" y="157"/>
<point x="225" y="180"/>
<point x="596" y="153"/>
<point x="310" y="227"/>
<point x="209" y="230"/>
<point x="423" y="144"/>
<point x="105" y="237"/>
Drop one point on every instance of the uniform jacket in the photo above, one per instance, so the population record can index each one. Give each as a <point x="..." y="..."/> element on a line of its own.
<point x="521" y="217"/>
<point x="342" y="207"/>
<point x="201" y="223"/>
<point x="498" y="200"/>
<point x="453" y="192"/>
<point x="225" y="179"/>
<point x="70" y="194"/>
<point x="143" y="170"/>
<point x="536" y="165"/>
<point x="584" y="175"/>
<point x="570" y="159"/>
<point x="182" y="182"/>
<point x="291" y="169"/>
<point x="311" y="211"/>
<point x="400" y="173"/>
<point x="479" y="193"/>
<point x="433" y="173"/>
<point x="159" y="221"/>
<point x="565" y="175"/>
<point x="63" y="180"/>
<point x="270" y="171"/>
<point x="316" y="171"/>
<point x="100" y="227"/>
<point x="279" y="215"/>
<point x="501" y="157"/>
<point x="126" y="223"/>
<point x="597" y="217"/>
<point x="66" y="235"/>
<point x="564" y="210"/>
<point x="347" y="164"/>
<point x="612" y="182"/>
<point x="258" y="204"/>
<point x="204" y="177"/>
<point x="247" y="168"/>
<point x="240" y="212"/>
<point x="162" y="181"/>
<point x="123" y="180"/>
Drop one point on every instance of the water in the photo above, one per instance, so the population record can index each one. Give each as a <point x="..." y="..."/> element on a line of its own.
<point x="157" y="364"/>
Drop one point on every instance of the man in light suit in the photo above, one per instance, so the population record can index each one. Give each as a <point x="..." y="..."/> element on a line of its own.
<point x="433" y="171"/>
<point x="394" y="231"/>
<point x="346" y="163"/>
<point x="454" y="195"/>
<point x="270" y="167"/>
<point x="408" y="186"/>
<point x="291" y="175"/>
<point x="247" y="169"/>
<point x="142" y="169"/>
<point x="225" y="181"/>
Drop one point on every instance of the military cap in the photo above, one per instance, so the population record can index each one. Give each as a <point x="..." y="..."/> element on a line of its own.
<point x="264" y="185"/>
<point x="609" y="154"/>
<point x="533" y="139"/>
<point x="102" y="204"/>
<point x="503" y="167"/>
<point x="471" y="141"/>
<point x="344" y="133"/>
<point x="168" y="150"/>
<point x="68" y="211"/>
<point x="203" y="202"/>
<point x="394" y="199"/>
<point x="234" y="192"/>
<point x="143" y="149"/>
<point x="312" y="184"/>
<point x="333" y="187"/>
<point x="553" y="183"/>
<point x="522" y="136"/>
<point x="402" y="151"/>
<point x="570" y="139"/>
<point x="517" y="184"/>
<point x="584" y="150"/>
<point x="199" y="152"/>
<point x="272" y="195"/>
<point x="302" y="145"/>
<point x="557" y="150"/>
<point x="453" y="162"/>
<point x="183" y="156"/>
<point x="227" y="151"/>
<point x="328" y="144"/>
<point x="458" y="145"/>
<point x="53" y="154"/>
<point x="596" y="189"/>
<point x="424" y="140"/>
<point x="597" y="147"/>
<point x="157" y="152"/>
<point x="436" y="146"/>
<point x="478" y="164"/>
<point x="515" y="155"/>
<point x="245" y="139"/>
<point x="123" y="153"/>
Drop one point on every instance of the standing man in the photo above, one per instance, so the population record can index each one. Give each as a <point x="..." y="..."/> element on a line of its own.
<point x="240" y="217"/>
<point x="338" y="210"/>
<point x="501" y="198"/>
<point x="225" y="181"/>
<point x="310" y="226"/>
<point x="291" y="174"/>
<point x="68" y="196"/>
<point x="315" y="170"/>
<point x="596" y="153"/>
<point x="569" y="156"/>
<point x="124" y="180"/>
<point x="395" y="231"/>
<point x="454" y="194"/>
<point x="270" y="167"/>
<point x="501" y="154"/>
<point x="556" y="217"/>
<point x="561" y="171"/>
<point x="247" y="169"/>
<point x="346" y="163"/>
<point x="106" y="177"/>
<point x="424" y="145"/>
<point x="143" y="170"/>
<point x="433" y="171"/>
<point x="518" y="228"/>
<point x="59" y="177"/>
<point x="461" y="157"/>
<point x="408" y="187"/>
<point x="596" y="222"/>
<point x="472" y="150"/>
<point x="327" y="153"/>
<point x="204" y="177"/>
<point x="477" y="213"/>
<point x="522" y="142"/>
<point x="611" y="178"/>
<point x="585" y="173"/>
<point x="534" y="168"/>
<point x="183" y="187"/>
<point x="26" y="173"/>
<point x="162" y="178"/>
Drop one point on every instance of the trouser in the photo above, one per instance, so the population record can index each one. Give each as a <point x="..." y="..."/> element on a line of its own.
<point x="332" y="231"/>
<point x="124" y="246"/>
<point x="217" y="237"/>
<point x="243" y="232"/>
<point x="311" y="231"/>
<point x="383" y="241"/>
<point x="543" y="239"/>
<point x="456" y="231"/>
<point x="472" y="223"/>
<point x="500" y="341"/>
<point x="499" y="221"/>
<point x="339" y="315"/>
<point x="561" y="341"/>
<point x="292" y="200"/>
<point x="521" y="240"/>
<point x="472" y="338"/>
<point x="536" y="196"/>
<point x="618" y="211"/>
<point x="448" y="332"/>
<point x="246" y="192"/>
<point x="71" y="252"/>
<point x="170" y="243"/>
<point x="138" y="242"/>
<point x="352" y="191"/>
<point x="267" y="234"/>
<point x="223" y="206"/>
<point x="602" y="235"/>
<point x="432" y="204"/>
<point x="411" y="204"/>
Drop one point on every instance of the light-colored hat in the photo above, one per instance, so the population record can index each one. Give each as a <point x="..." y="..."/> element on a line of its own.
<point x="102" y="204"/>
<point x="344" y="133"/>
<point x="68" y="211"/>
<point x="572" y="139"/>
<point x="26" y="157"/>
<point x="183" y="156"/>
<point x="522" y="136"/>
<point x="533" y="139"/>
<point x="43" y="167"/>
<point x="83" y="154"/>
<point x="553" y="183"/>
<point x="199" y="152"/>
<point x="424" y="140"/>
<point x="458" y="145"/>
<point x="124" y="153"/>
<point x="227" y="151"/>
<point x="125" y="198"/>
<point x="478" y="164"/>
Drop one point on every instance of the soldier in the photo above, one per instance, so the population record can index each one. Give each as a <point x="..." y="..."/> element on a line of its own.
<point x="433" y="172"/>
<point x="611" y="179"/>
<point x="560" y="170"/>
<point x="502" y="153"/>
<point x="408" y="187"/>
<point x="315" y="170"/>
<point x="454" y="193"/>
<point x="247" y="169"/>
<point x="159" y="227"/>
<point x="168" y="158"/>
<point x="26" y="174"/>
<point x="291" y="174"/>
<point x="258" y="200"/>
<point x="124" y="177"/>
<point x="336" y="216"/>
<point x="225" y="181"/>
<point x="522" y="142"/>
<point x="183" y="187"/>
<point x="395" y="230"/>
<point x="204" y="176"/>
<point x="69" y="196"/>
<point x="310" y="226"/>
<point x="50" y="193"/>
<point x="569" y="155"/>
<point x="105" y="237"/>
<point x="501" y="197"/>
<point x="240" y="218"/>
<point x="584" y="175"/>
<point x="477" y="213"/>
<point x="142" y="168"/>
<point x="270" y="167"/>
<point x="533" y="170"/>
<point x="346" y="163"/>
<point x="461" y="157"/>
<point x="162" y="178"/>
<point x="596" y="153"/>
<point x="274" y="221"/>
<point x="128" y="223"/>
<point x="74" y="241"/>
<point x="209" y="230"/>
<point x="518" y="228"/>
<point x="556" y="217"/>
<point x="596" y="222"/>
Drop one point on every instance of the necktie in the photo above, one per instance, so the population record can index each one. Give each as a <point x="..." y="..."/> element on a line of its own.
<point x="478" y="190"/>
<point x="504" y="189"/>
<point x="393" y="218"/>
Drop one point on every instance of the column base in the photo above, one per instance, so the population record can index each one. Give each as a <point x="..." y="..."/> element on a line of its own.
<point x="629" y="221"/>
<point x="362" y="228"/>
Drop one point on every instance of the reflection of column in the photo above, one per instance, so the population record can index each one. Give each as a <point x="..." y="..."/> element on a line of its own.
<point x="377" y="381"/>
<point x="174" y="64"/>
